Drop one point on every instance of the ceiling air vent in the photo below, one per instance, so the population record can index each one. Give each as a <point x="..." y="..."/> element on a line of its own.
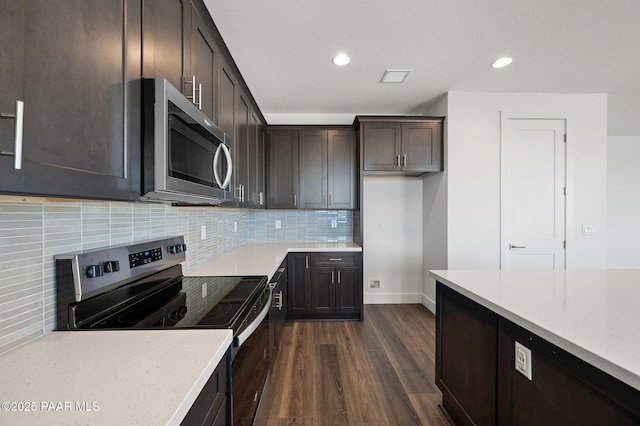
<point x="395" y="76"/>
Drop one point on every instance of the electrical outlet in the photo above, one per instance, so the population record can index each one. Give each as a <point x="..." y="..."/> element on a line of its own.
<point x="374" y="284"/>
<point x="203" y="232"/>
<point x="334" y="223"/>
<point x="523" y="360"/>
<point x="235" y="226"/>
<point x="588" y="230"/>
<point x="278" y="224"/>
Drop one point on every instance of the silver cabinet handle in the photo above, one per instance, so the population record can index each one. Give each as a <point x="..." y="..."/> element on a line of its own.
<point x="280" y="305"/>
<point x="398" y="160"/>
<point x="199" y="96"/>
<point x="18" y="137"/>
<point x="511" y="247"/>
<point x="338" y="276"/>
<point x="261" y="198"/>
<point x="335" y="259"/>
<point x="332" y="280"/>
<point x="295" y="200"/>
<point x="306" y="262"/>
<point x="404" y="160"/>
<point x="192" y="82"/>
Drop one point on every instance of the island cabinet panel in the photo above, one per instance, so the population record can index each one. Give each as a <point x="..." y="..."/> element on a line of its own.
<point x="475" y="370"/>
<point x="563" y="390"/>
<point x="401" y="145"/>
<point x="80" y="129"/>
<point x="466" y="352"/>
<point x="325" y="285"/>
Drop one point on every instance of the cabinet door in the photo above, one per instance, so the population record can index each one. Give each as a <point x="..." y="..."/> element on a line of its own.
<point x="226" y="103"/>
<point x="282" y="184"/>
<point x="312" y="151"/>
<point x="298" y="277"/>
<point x="342" y="169"/>
<point x="202" y="60"/>
<point x="163" y="31"/>
<point x="466" y="353"/>
<point x="348" y="290"/>
<point x="241" y="153"/>
<point x="82" y="120"/>
<point x="382" y="146"/>
<point x="421" y="148"/>
<point x="12" y="83"/>
<point x="323" y="290"/>
<point x="255" y="197"/>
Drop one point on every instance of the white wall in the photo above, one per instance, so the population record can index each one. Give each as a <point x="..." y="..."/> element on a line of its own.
<point x="393" y="253"/>
<point x="474" y="174"/>
<point x="470" y="187"/>
<point x="623" y="202"/>
<point x="434" y="214"/>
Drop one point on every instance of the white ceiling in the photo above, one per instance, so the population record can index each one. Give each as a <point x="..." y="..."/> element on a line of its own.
<point x="283" y="49"/>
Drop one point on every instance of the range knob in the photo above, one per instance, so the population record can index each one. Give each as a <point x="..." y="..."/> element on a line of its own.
<point x="178" y="248"/>
<point x="111" y="266"/>
<point x="94" y="271"/>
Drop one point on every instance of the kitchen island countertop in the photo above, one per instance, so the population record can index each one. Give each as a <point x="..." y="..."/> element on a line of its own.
<point x="592" y="314"/>
<point x="108" y="377"/>
<point x="263" y="258"/>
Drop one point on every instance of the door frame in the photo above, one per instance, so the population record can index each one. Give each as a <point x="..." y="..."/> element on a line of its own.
<point x="517" y="114"/>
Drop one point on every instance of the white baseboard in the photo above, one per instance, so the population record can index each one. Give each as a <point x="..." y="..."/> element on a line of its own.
<point x="429" y="303"/>
<point x="391" y="298"/>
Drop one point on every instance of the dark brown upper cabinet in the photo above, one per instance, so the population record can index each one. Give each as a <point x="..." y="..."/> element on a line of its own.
<point x="282" y="169"/>
<point x="75" y="66"/>
<point x="248" y="154"/>
<point x="401" y="145"/>
<point x="323" y="174"/>
<point x="179" y="45"/>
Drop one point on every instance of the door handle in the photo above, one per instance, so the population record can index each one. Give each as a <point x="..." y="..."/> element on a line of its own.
<point x="511" y="247"/>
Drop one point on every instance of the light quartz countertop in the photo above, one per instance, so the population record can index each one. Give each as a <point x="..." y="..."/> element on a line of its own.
<point x="108" y="377"/>
<point x="593" y="314"/>
<point x="263" y="258"/>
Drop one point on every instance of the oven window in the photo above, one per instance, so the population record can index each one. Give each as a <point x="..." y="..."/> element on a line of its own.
<point x="190" y="154"/>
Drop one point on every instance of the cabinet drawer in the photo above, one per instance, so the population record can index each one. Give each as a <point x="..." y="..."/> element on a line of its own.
<point x="353" y="259"/>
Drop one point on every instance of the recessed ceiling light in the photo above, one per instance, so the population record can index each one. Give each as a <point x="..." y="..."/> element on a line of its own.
<point x="341" y="59"/>
<point x="394" y="76"/>
<point x="501" y="62"/>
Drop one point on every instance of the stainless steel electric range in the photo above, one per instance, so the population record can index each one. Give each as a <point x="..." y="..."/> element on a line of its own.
<point x="141" y="286"/>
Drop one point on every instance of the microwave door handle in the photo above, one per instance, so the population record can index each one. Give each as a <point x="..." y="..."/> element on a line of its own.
<point x="227" y="155"/>
<point x="216" y="161"/>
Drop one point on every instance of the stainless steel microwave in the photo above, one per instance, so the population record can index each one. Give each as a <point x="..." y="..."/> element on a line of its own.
<point x="186" y="157"/>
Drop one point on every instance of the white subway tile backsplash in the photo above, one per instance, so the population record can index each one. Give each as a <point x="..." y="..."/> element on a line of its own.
<point x="33" y="232"/>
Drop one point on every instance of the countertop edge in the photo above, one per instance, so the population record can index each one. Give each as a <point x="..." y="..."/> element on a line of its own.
<point x="597" y="361"/>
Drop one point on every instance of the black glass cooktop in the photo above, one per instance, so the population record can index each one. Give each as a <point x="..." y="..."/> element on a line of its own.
<point x="166" y="301"/>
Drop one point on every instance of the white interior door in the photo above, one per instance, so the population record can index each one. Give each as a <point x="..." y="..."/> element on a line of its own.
<point x="533" y="194"/>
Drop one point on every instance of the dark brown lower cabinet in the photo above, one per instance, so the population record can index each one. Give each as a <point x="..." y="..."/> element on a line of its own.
<point x="213" y="405"/>
<point x="325" y="285"/>
<point x="475" y="357"/>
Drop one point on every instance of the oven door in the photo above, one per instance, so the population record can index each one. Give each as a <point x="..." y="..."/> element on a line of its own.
<point x="250" y="372"/>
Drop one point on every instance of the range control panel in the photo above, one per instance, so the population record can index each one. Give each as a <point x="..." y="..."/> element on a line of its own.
<point x="98" y="271"/>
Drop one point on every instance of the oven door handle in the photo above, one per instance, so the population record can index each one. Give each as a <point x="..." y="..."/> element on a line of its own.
<point x="242" y="337"/>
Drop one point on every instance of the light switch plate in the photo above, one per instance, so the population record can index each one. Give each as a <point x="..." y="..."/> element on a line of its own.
<point x="523" y="360"/>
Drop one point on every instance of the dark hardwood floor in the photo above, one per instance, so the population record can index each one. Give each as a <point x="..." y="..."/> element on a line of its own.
<point x="376" y="372"/>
